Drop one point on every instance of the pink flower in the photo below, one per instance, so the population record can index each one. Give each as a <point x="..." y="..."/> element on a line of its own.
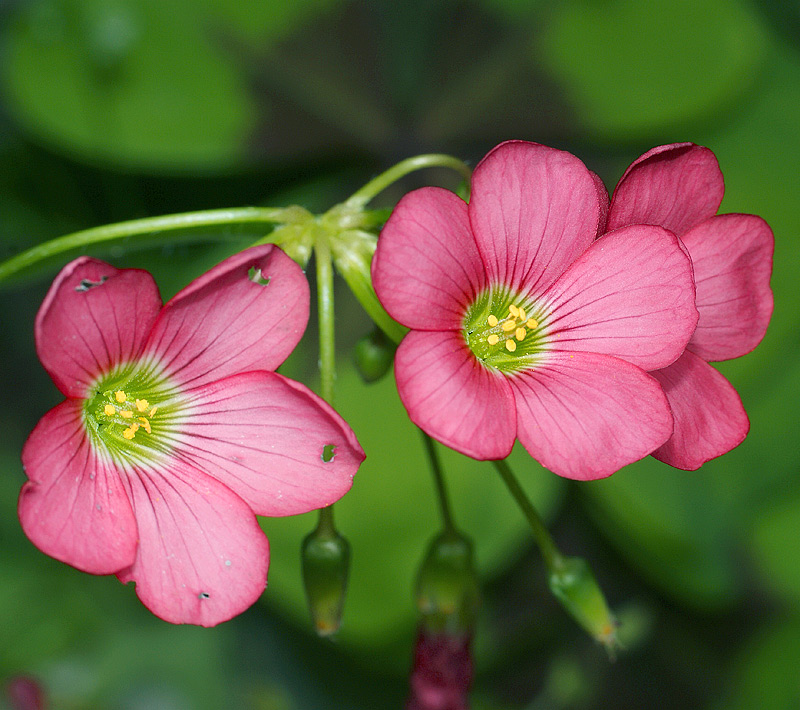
<point x="442" y="672"/>
<point x="680" y="187"/>
<point x="524" y="325"/>
<point x="176" y="431"/>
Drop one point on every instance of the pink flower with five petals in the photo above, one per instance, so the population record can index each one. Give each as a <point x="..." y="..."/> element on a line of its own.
<point x="524" y="324"/>
<point x="680" y="187"/>
<point x="176" y="431"/>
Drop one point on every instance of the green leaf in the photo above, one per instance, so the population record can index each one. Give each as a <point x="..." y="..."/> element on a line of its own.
<point x="632" y="68"/>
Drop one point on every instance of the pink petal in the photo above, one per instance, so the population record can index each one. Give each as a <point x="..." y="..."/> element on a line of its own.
<point x="265" y="437"/>
<point x="630" y="295"/>
<point x="224" y="322"/>
<point x="453" y="397"/>
<point x="732" y="257"/>
<point x="427" y="269"/>
<point x="602" y="196"/>
<point x="202" y="557"/>
<point x="709" y="417"/>
<point x="585" y="416"/>
<point x="674" y="186"/>
<point x="533" y="210"/>
<point x="74" y="507"/>
<point x="93" y="318"/>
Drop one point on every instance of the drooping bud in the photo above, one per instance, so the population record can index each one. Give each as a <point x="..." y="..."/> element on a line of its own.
<point x="326" y="565"/>
<point x="447" y="591"/>
<point x="373" y="355"/>
<point x="571" y="581"/>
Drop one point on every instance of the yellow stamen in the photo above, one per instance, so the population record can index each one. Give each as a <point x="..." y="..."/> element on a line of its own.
<point x="492" y="320"/>
<point x="120" y="396"/>
<point x="146" y="425"/>
<point x="522" y="314"/>
<point x="130" y="432"/>
<point x="109" y="410"/>
<point x="509" y="325"/>
<point x="511" y="346"/>
<point x="532" y="323"/>
<point x="126" y="414"/>
<point x="142" y="404"/>
<point x="519" y="333"/>
<point x="513" y="310"/>
<point x="493" y="339"/>
<point x="152" y="412"/>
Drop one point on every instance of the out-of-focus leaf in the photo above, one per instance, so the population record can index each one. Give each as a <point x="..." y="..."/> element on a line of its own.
<point x="391" y="514"/>
<point x="765" y="673"/>
<point x="776" y="546"/>
<point x="633" y="68"/>
<point x="141" y="83"/>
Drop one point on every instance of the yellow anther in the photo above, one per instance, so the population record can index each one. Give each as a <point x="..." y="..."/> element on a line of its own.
<point x="493" y="320"/>
<point x="519" y="333"/>
<point x="126" y="414"/>
<point x="509" y="325"/>
<point x="532" y="323"/>
<point x="145" y="425"/>
<point x="511" y="346"/>
<point x="142" y="404"/>
<point x="152" y="412"/>
<point x="109" y="410"/>
<point x="120" y="396"/>
<point x="522" y="315"/>
<point x="130" y="432"/>
<point x="493" y="339"/>
<point x="513" y="310"/>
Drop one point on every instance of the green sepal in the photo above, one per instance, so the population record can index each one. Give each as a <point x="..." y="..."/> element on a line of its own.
<point x="326" y="567"/>
<point x="373" y="355"/>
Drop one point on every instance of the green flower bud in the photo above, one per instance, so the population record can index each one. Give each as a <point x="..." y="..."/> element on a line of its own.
<point x="373" y="356"/>
<point x="326" y="564"/>
<point x="573" y="584"/>
<point x="447" y="591"/>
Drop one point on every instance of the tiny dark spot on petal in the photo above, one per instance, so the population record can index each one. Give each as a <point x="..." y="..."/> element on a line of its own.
<point x="255" y="275"/>
<point x="328" y="452"/>
<point x="86" y="284"/>
<point x="203" y="595"/>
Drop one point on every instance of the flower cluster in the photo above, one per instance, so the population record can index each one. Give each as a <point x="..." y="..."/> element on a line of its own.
<point x="176" y="431"/>
<point x="540" y="312"/>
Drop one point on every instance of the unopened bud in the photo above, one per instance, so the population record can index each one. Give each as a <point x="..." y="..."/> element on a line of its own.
<point x="326" y="564"/>
<point x="447" y="590"/>
<point x="574" y="585"/>
<point x="373" y="355"/>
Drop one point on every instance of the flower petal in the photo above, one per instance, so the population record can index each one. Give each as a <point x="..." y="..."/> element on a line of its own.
<point x="272" y="441"/>
<point x="585" y="416"/>
<point x="427" y="269"/>
<point x="709" y="417"/>
<point x="247" y="313"/>
<point x="74" y="507"/>
<point x="630" y="295"/>
<point x="93" y="318"/>
<point x="675" y="186"/>
<point x="453" y="397"/>
<point x="533" y="210"/>
<point x="732" y="257"/>
<point x="202" y="557"/>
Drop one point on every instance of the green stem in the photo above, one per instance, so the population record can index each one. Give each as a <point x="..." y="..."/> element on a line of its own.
<point x="550" y="553"/>
<point x="142" y="227"/>
<point x="379" y="183"/>
<point x="438" y="478"/>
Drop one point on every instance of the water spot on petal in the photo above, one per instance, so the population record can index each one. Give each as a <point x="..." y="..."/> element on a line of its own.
<point x="227" y="563"/>
<point x="255" y="275"/>
<point x="86" y="284"/>
<point x="99" y="507"/>
<point x="328" y="452"/>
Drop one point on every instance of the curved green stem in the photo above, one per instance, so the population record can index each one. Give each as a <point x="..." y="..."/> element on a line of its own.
<point x="142" y="227"/>
<point x="550" y="553"/>
<point x="433" y="160"/>
<point x="438" y="477"/>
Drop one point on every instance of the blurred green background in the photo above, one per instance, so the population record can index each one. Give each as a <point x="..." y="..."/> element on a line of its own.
<point x="118" y="109"/>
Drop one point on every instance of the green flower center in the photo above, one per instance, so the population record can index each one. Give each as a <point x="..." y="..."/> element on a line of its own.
<point x="503" y="330"/>
<point x="132" y="414"/>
